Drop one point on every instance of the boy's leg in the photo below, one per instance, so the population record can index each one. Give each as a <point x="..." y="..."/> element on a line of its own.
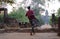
<point x="31" y="26"/>
<point x="32" y="30"/>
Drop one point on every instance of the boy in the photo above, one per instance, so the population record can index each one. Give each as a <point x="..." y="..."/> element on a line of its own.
<point x="31" y="17"/>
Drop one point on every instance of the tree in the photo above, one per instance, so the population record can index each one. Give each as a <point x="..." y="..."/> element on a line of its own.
<point x="37" y="9"/>
<point x="19" y="15"/>
<point x="58" y="13"/>
<point x="7" y="1"/>
<point x="38" y="15"/>
<point x="39" y="1"/>
<point x="56" y="17"/>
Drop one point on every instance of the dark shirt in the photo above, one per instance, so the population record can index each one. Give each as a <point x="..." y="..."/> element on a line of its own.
<point x="30" y="15"/>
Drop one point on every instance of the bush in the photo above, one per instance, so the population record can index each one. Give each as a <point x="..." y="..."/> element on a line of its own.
<point x="56" y="20"/>
<point x="19" y="15"/>
<point x="1" y="18"/>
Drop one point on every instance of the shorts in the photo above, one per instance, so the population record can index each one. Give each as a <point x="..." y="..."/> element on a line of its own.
<point x="33" y="22"/>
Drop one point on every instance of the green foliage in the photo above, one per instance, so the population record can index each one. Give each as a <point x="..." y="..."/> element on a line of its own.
<point x="56" y="20"/>
<point x="7" y="1"/>
<point x="38" y="16"/>
<point x="36" y="11"/>
<point x="56" y="17"/>
<point x="41" y="22"/>
<point x="0" y="3"/>
<point x="39" y="1"/>
<point x="50" y="22"/>
<point x="58" y="13"/>
<point x="19" y="15"/>
<point x="1" y="17"/>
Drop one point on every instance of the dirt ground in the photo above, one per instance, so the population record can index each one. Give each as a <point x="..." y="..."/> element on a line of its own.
<point x="28" y="36"/>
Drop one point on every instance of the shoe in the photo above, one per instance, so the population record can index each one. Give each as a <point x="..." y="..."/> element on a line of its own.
<point x="31" y="34"/>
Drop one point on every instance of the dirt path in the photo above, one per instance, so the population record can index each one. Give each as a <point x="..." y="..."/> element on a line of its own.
<point x="27" y="36"/>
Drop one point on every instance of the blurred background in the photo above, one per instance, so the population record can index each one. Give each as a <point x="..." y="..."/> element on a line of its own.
<point x="43" y="10"/>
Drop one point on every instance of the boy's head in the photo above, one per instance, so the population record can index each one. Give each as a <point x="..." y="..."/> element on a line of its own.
<point x="28" y="7"/>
